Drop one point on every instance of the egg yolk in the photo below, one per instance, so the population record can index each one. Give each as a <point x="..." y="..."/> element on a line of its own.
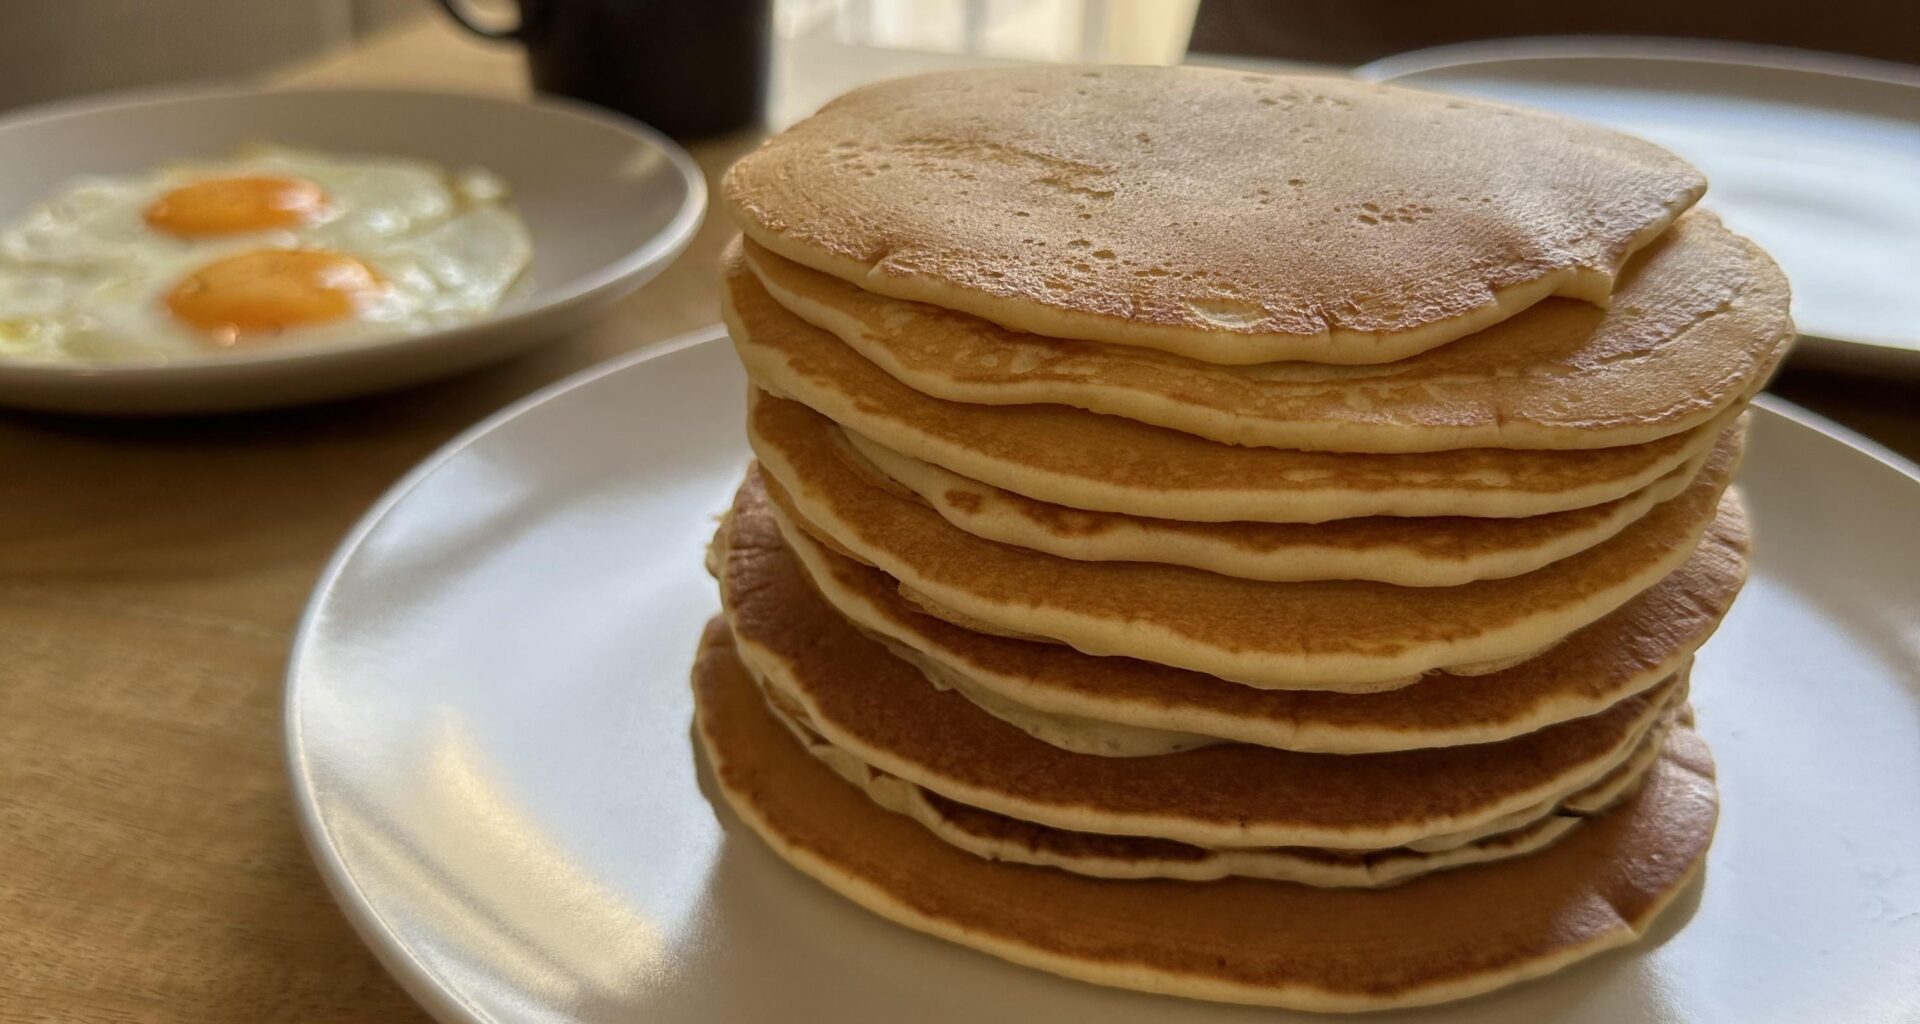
<point x="272" y="290"/>
<point x="226" y="206"/>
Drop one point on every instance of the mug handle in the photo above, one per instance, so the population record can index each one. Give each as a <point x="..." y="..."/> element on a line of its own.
<point x="457" y="9"/>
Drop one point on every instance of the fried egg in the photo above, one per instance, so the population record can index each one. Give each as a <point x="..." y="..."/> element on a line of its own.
<point x="273" y="246"/>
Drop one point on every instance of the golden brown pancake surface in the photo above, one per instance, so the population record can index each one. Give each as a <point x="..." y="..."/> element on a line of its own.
<point x="1446" y="936"/>
<point x="1429" y="551"/>
<point x="1351" y="636"/>
<point x="1105" y="463"/>
<point x="870" y="703"/>
<point x="1697" y="323"/>
<point x="1624" y="653"/>
<point x="1226" y="216"/>
<point x="998" y="837"/>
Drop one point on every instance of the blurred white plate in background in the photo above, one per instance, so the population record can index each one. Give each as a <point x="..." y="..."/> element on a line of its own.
<point x="1815" y="156"/>
<point x="608" y="202"/>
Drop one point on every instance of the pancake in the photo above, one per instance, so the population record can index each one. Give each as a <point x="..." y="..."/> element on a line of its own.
<point x="1195" y="797"/>
<point x="1068" y="732"/>
<point x="1104" y="463"/>
<point x="1698" y="322"/>
<point x="1121" y="706"/>
<point x="1000" y="838"/>
<point x="1437" y="551"/>
<point x="1229" y="217"/>
<point x="789" y="704"/>
<point x="1591" y="799"/>
<point x="883" y="711"/>
<point x="1351" y="636"/>
<point x="1446" y="936"/>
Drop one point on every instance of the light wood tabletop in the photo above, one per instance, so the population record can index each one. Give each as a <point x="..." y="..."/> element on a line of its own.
<point x="151" y="573"/>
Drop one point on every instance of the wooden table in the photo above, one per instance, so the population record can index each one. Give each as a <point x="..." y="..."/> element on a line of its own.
<point x="150" y="577"/>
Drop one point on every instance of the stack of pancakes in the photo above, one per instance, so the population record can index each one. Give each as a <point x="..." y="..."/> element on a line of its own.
<point x="1227" y="535"/>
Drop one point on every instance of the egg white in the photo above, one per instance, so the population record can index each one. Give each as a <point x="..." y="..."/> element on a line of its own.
<point x="83" y="277"/>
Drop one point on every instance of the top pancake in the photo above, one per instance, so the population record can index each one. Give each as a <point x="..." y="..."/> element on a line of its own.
<point x="1698" y="321"/>
<point x="1229" y="217"/>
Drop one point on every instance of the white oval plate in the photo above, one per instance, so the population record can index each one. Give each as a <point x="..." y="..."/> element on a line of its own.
<point x="608" y="201"/>
<point x="1816" y="156"/>
<point x="488" y="713"/>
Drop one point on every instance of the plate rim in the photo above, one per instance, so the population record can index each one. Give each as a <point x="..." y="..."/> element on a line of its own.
<point x="437" y="995"/>
<point x="633" y="267"/>
<point x="441" y="999"/>
<point x="1861" y="355"/>
<point x="1638" y="47"/>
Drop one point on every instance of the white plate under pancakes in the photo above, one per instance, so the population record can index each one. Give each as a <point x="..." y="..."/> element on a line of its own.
<point x="487" y="725"/>
<point x="1815" y="156"/>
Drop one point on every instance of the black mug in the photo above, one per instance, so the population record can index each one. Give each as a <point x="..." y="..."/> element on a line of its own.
<point x="690" y="68"/>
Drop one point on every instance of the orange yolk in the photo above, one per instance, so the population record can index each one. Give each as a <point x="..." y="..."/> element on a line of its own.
<point x="271" y="290"/>
<point x="226" y="206"/>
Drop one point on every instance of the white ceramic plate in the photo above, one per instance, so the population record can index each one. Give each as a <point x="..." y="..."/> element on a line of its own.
<point x="488" y="713"/>
<point x="1815" y="156"/>
<point x="608" y="201"/>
